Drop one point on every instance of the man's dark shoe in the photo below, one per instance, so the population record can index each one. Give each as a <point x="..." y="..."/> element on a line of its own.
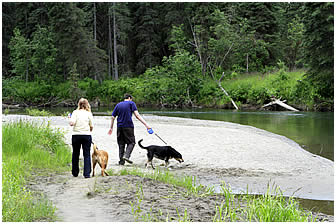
<point x="127" y="160"/>
<point x="122" y="162"/>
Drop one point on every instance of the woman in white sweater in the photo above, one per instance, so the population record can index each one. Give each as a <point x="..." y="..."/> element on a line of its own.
<point x="82" y="122"/>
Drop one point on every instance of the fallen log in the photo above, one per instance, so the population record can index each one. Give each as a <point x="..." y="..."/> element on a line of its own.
<point x="280" y="103"/>
<point x="8" y="106"/>
<point x="221" y="87"/>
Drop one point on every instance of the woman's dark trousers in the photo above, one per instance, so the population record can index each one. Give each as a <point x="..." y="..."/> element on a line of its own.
<point x="83" y="141"/>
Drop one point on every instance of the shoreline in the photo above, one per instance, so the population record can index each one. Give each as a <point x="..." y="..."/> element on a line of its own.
<point x="216" y="151"/>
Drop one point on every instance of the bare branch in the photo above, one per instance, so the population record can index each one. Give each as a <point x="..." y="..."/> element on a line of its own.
<point x="226" y="54"/>
<point x="221" y="77"/>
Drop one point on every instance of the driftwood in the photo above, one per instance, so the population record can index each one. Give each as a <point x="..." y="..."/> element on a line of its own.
<point x="221" y="87"/>
<point x="280" y="103"/>
<point x="8" y="106"/>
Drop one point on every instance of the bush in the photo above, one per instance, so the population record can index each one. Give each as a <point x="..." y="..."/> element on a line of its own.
<point x="211" y="95"/>
<point x="89" y="88"/>
<point x="36" y="112"/>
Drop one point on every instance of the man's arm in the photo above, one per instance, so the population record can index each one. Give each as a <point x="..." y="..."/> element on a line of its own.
<point x="138" y="116"/>
<point x="111" y="128"/>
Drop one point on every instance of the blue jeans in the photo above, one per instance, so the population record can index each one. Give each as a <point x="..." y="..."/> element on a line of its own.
<point x="83" y="141"/>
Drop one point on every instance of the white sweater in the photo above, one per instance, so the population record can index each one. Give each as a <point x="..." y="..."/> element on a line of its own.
<point x="82" y="120"/>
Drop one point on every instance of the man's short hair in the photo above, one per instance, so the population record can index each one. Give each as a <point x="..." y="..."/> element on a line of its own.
<point x="126" y="96"/>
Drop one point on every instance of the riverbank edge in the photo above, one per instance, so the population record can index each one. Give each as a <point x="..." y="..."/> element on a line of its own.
<point x="321" y="107"/>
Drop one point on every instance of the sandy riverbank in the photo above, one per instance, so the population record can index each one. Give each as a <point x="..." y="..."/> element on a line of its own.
<point x="216" y="151"/>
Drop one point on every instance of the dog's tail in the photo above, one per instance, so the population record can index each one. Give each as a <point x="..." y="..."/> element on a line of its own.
<point x="139" y="142"/>
<point x="95" y="148"/>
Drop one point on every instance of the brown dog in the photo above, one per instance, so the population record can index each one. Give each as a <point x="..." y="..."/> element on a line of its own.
<point x="100" y="157"/>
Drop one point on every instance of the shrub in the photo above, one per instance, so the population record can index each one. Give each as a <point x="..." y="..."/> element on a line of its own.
<point x="36" y="112"/>
<point x="89" y="88"/>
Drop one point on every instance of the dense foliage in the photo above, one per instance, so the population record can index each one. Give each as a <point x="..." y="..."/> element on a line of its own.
<point x="172" y="51"/>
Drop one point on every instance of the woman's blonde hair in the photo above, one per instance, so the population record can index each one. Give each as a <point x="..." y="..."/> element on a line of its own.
<point x="84" y="104"/>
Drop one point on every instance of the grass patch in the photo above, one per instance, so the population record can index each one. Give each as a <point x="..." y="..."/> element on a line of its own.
<point x="270" y="207"/>
<point x="257" y="89"/>
<point x="27" y="147"/>
<point x="274" y="207"/>
<point x="37" y="112"/>
<point x="187" y="182"/>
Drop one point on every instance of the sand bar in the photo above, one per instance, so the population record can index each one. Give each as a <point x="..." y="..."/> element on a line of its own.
<point x="242" y="156"/>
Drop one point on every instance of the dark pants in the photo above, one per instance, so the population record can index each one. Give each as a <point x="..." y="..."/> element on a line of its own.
<point x="125" y="136"/>
<point x="83" y="141"/>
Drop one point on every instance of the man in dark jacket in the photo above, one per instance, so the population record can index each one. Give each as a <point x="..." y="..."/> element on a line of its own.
<point x="125" y="127"/>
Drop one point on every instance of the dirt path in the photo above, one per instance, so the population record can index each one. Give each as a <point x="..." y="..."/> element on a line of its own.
<point x="213" y="152"/>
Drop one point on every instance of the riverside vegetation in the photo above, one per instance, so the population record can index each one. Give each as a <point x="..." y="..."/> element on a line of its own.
<point x="32" y="150"/>
<point x="162" y="86"/>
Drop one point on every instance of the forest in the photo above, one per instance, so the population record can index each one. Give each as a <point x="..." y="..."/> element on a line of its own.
<point x="170" y="54"/>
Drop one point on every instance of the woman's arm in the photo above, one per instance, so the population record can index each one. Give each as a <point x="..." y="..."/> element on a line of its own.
<point x="72" y="119"/>
<point x="91" y="122"/>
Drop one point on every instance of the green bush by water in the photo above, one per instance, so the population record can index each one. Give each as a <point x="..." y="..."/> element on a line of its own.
<point x="28" y="147"/>
<point x="37" y="112"/>
<point x="177" y="82"/>
<point x="159" y="86"/>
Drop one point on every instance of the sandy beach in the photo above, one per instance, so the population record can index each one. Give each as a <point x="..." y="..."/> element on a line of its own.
<point x="243" y="157"/>
<point x="216" y="151"/>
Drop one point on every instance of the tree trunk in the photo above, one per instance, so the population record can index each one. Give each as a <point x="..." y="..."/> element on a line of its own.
<point x="116" y="76"/>
<point x="27" y="66"/>
<point x="94" y="22"/>
<point x="110" y="46"/>
<point x="95" y="36"/>
<point x="280" y="103"/>
<point x="198" y="49"/>
<point x="221" y="87"/>
<point x="247" y="63"/>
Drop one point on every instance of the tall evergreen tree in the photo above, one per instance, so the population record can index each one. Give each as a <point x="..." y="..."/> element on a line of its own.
<point x="20" y="55"/>
<point x="74" y="41"/>
<point x="262" y="18"/>
<point x="319" y="45"/>
<point x="146" y="36"/>
<point x="8" y="25"/>
<point x="124" y="26"/>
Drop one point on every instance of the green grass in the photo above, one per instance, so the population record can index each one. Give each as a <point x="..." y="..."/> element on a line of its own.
<point x="270" y="207"/>
<point x="258" y="89"/>
<point x="37" y="112"/>
<point x="187" y="182"/>
<point x="274" y="207"/>
<point x="28" y="147"/>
